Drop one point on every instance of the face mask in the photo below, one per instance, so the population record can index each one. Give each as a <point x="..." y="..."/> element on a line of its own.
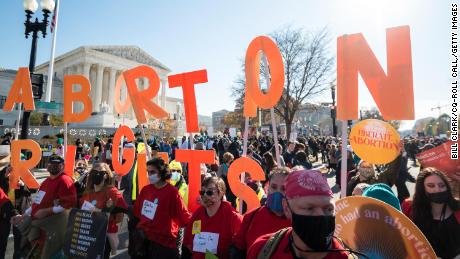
<point x="97" y="178"/>
<point x="54" y="170"/>
<point x="154" y="178"/>
<point x="274" y="202"/>
<point x="367" y="173"/>
<point x="80" y="170"/>
<point x="315" y="231"/>
<point x="175" y="176"/>
<point x="439" y="197"/>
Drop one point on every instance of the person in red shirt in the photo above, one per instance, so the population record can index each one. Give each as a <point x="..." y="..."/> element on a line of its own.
<point x="101" y="195"/>
<point x="308" y="205"/>
<point x="254" y="222"/>
<point x="7" y="211"/>
<point x="214" y="224"/>
<point x="161" y="212"/>
<point x="56" y="195"/>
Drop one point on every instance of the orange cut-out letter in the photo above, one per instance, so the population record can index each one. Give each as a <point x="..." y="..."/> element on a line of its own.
<point x="70" y="160"/>
<point x="20" y="92"/>
<point x="128" y="153"/>
<point x="194" y="158"/>
<point x="142" y="100"/>
<point x="21" y="168"/>
<point x="142" y="178"/>
<point x="241" y="190"/>
<point x="120" y="108"/>
<point x="81" y="96"/>
<point x="254" y="97"/>
<point x="188" y="81"/>
<point x="392" y="92"/>
<point x="164" y="156"/>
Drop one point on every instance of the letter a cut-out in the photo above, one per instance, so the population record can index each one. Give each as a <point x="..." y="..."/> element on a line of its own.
<point x="392" y="92"/>
<point x="20" y="92"/>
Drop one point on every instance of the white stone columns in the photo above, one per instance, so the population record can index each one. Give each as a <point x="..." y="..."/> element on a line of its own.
<point x="112" y="81"/>
<point x="163" y="93"/>
<point x="98" y="91"/>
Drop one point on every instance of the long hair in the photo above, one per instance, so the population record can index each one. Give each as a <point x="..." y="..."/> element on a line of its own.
<point x="421" y="206"/>
<point x="107" y="182"/>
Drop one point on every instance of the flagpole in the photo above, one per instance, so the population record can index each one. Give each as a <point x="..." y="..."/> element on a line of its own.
<point x="53" y="50"/>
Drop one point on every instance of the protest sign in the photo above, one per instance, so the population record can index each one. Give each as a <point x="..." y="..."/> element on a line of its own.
<point x="378" y="230"/>
<point x="86" y="234"/>
<point x="440" y="157"/>
<point x="375" y="141"/>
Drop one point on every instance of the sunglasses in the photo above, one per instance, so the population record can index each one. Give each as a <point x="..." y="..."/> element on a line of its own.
<point x="208" y="193"/>
<point x="98" y="172"/>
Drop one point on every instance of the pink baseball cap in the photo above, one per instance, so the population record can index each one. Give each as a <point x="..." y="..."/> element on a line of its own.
<point x="306" y="183"/>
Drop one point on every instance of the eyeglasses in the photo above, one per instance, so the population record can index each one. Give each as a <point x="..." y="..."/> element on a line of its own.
<point x="208" y="192"/>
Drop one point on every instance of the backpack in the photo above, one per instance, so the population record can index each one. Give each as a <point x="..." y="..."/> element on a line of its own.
<point x="272" y="244"/>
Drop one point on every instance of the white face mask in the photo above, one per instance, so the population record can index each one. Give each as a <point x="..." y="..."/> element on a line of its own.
<point x="154" y="178"/>
<point x="175" y="176"/>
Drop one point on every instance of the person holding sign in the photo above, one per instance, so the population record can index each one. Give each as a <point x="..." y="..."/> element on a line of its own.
<point x="160" y="212"/>
<point x="308" y="205"/>
<point x="435" y="212"/>
<point x="56" y="195"/>
<point x="214" y="224"/>
<point x="101" y="195"/>
<point x="254" y="222"/>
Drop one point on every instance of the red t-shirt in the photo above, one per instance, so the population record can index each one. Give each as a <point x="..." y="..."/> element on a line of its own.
<point x="283" y="251"/>
<point x="225" y="222"/>
<point x="101" y="199"/>
<point x="255" y="225"/>
<point x="60" y="188"/>
<point x="161" y="213"/>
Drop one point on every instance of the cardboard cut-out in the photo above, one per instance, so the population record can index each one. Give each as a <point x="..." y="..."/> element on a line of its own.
<point x="187" y="81"/>
<point x="164" y="156"/>
<point x="128" y="153"/>
<point x="20" y="92"/>
<point x="378" y="230"/>
<point x="82" y="96"/>
<point x="70" y="160"/>
<point x="254" y="97"/>
<point x="375" y="141"/>
<point x="392" y="92"/>
<point x="119" y="107"/>
<point x="142" y="99"/>
<point x="241" y="190"/>
<point x="194" y="158"/>
<point x="21" y="168"/>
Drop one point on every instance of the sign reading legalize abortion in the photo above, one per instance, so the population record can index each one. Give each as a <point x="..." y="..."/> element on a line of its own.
<point x="378" y="230"/>
<point x="375" y="141"/>
<point x="353" y="56"/>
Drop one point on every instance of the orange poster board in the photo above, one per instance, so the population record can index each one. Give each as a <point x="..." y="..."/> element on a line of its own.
<point x="378" y="230"/>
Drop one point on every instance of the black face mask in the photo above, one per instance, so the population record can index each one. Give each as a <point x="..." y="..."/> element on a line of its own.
<point x="439" y="197"/>
<point x="54" y="169"/>
<point x="97" y="178"/>
<point x="315" y="231"/>
<point x="80" y="170"/>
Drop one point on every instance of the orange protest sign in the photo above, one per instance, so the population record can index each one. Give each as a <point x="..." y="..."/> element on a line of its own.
<point x="188" y="81"/>
<point x="20" y="92"/>
<point x="21" y="168"/>
<point x="142" y="178"/>
<point x="164" y="156"/>
<point x="441" y="158"/>
<point x="254" y="97"/>
<point x="194" y="158"/>
<point x="392" y="92"/>
<point x="120" y="108"/>
<point x="241" y="190"/>
<point x="378" y="230"/>
<point x="128" y="153"/>
<point x="375" y="141"/>
<point x="70" y="160"/>
<point x="142" y="100"/>
<point x="82" y="96"/>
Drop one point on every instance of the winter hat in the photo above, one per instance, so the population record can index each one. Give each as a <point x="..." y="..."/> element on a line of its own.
<point x="383" y="192"/>
<point x="306" y="183"/>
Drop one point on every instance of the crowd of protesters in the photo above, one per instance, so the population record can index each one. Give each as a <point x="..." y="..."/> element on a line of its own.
<point x="293" y="221"/>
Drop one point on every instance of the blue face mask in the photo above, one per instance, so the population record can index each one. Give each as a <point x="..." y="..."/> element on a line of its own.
<point x="274" y="202"/>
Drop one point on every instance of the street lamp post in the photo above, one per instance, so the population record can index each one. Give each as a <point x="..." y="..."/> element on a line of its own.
<point x="333" y="111"/>
<point x="30" y="6"/>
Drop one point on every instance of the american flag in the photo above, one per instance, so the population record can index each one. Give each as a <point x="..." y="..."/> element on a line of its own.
<point x="53" y="21"/>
